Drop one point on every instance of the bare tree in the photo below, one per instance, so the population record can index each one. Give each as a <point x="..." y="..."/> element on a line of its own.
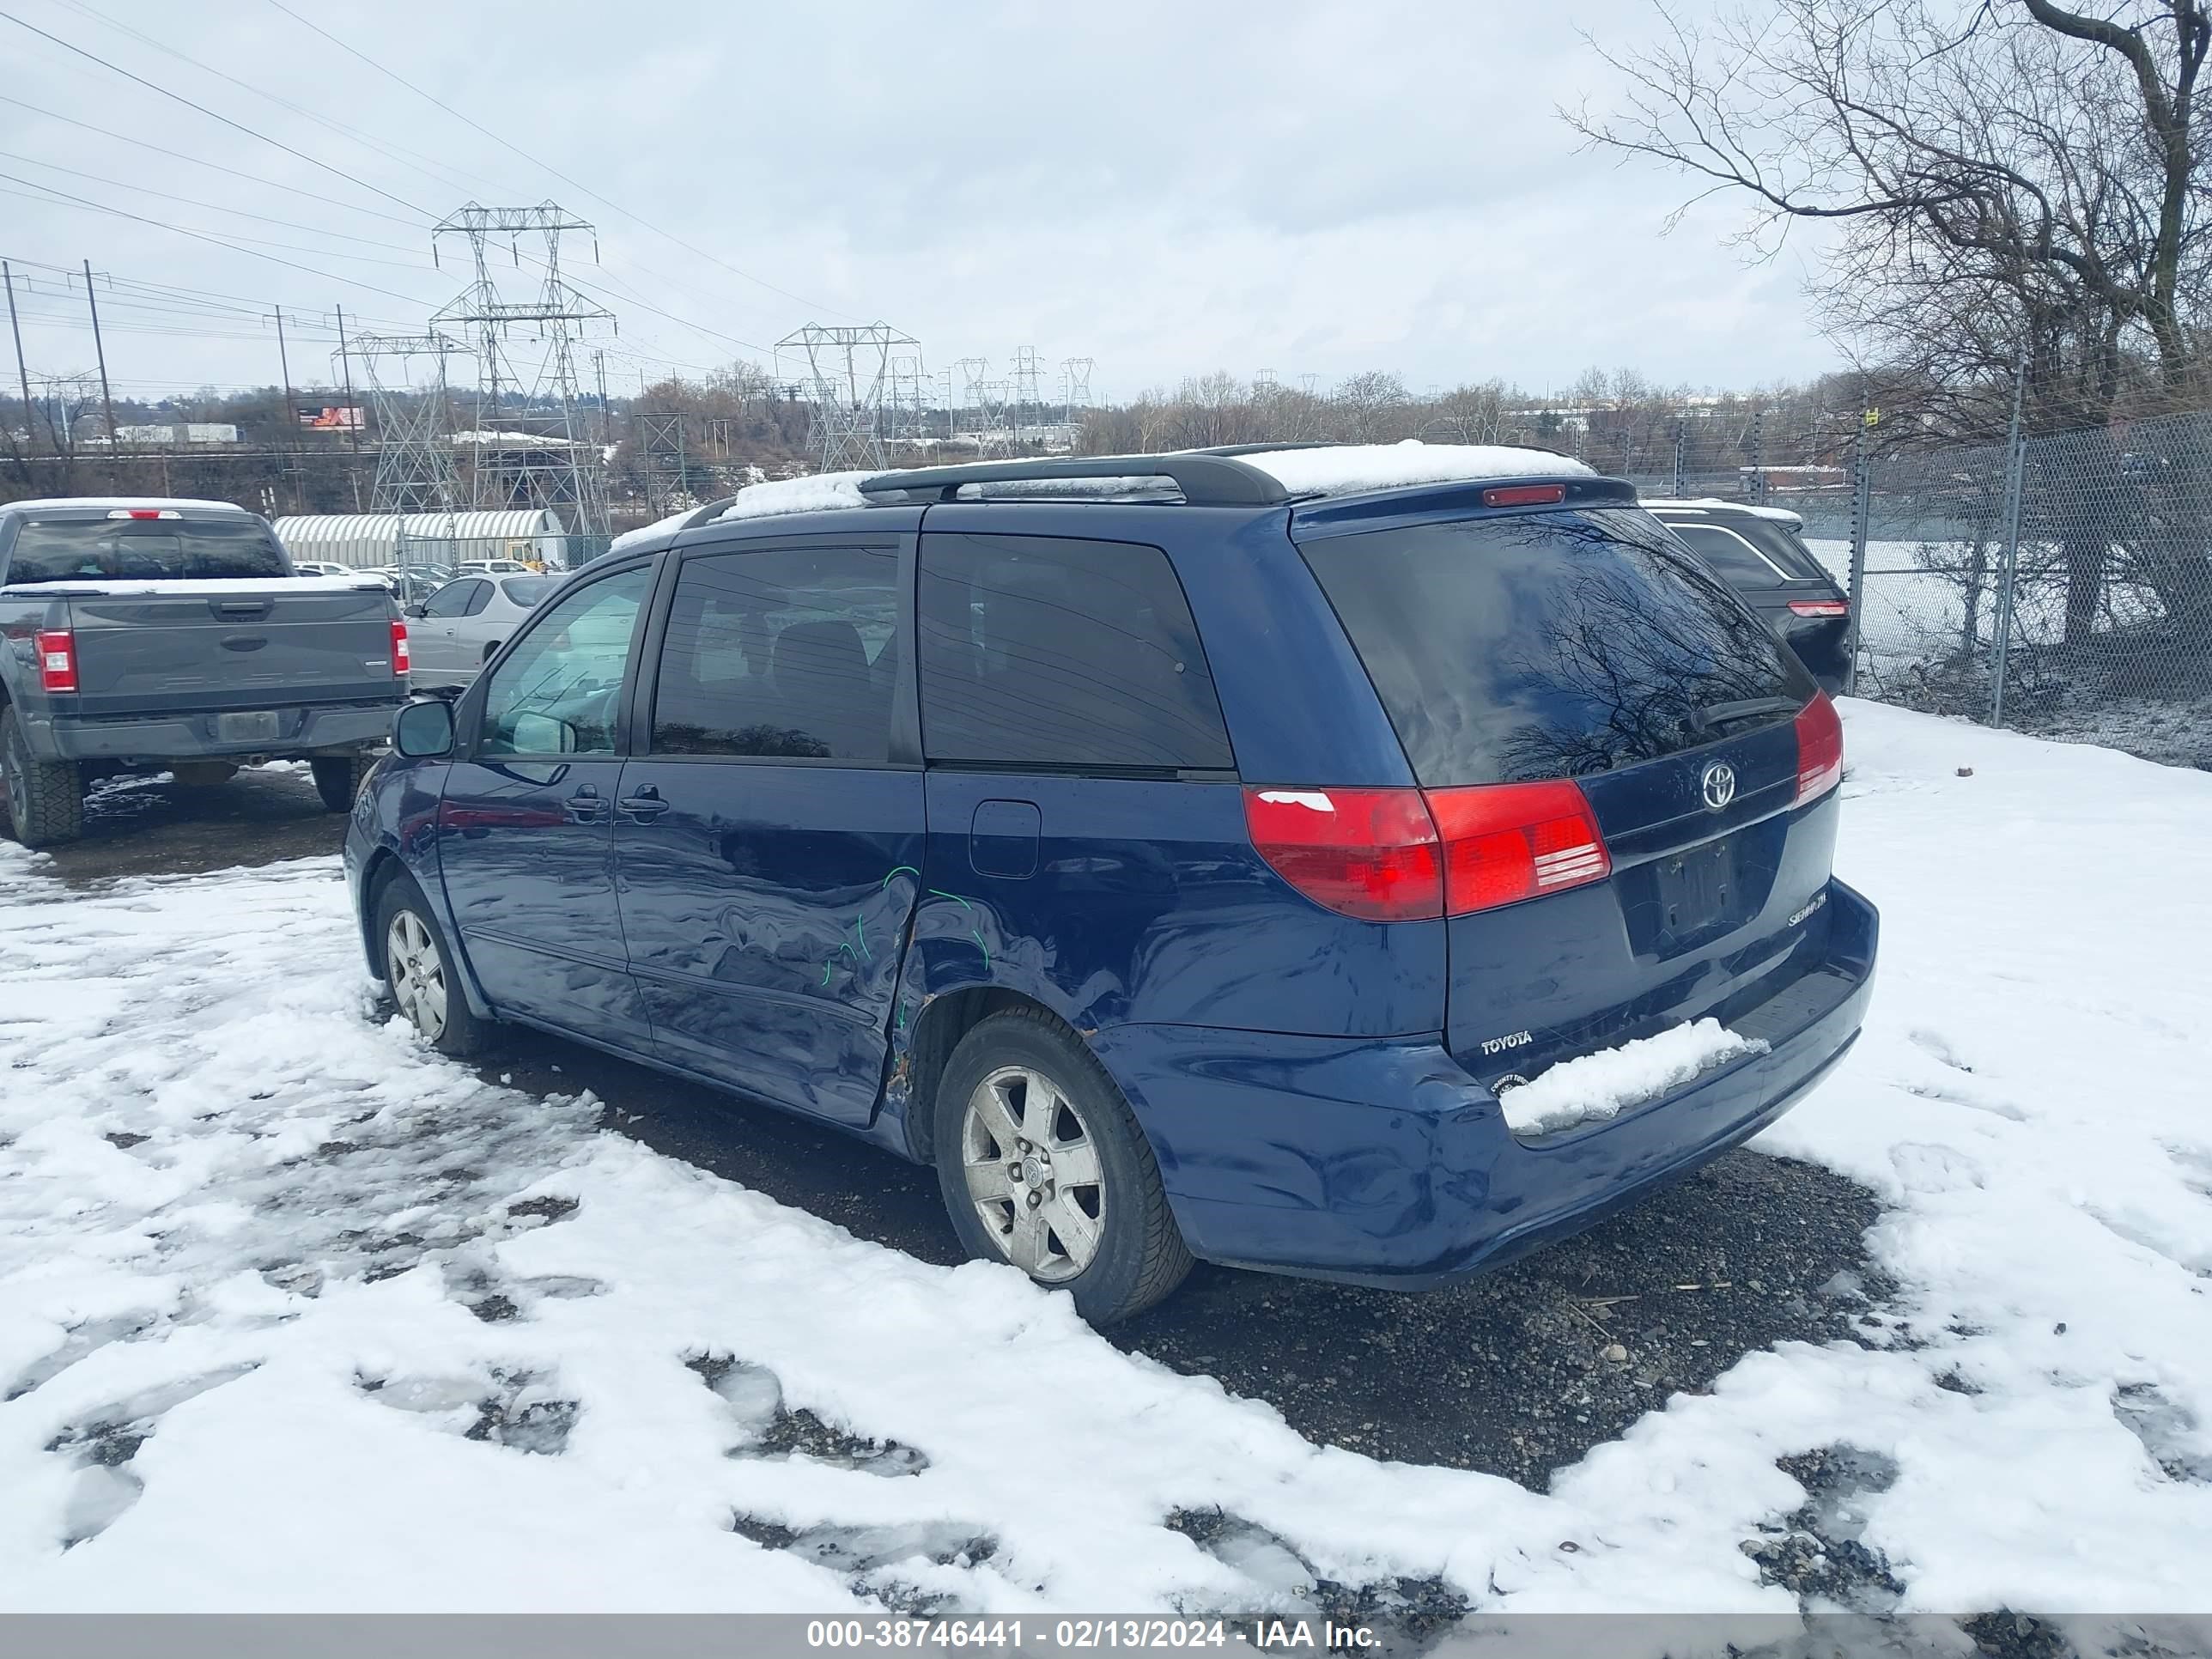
<point x="2013" y="170"/>
<point x="2021" y="186"/>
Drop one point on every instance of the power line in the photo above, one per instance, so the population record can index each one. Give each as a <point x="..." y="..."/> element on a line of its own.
<point x="65" y="199"/>
<point x="193" y="201"/>
<point x="177" y="97"/>
<point x="430" y="168"/>
<point x="127" y="292"/>
<point x="236" y="238"/>
<point x="174" y="154"/>
<point x="478" y="127"/>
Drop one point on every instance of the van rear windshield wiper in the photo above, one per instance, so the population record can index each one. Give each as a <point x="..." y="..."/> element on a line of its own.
<point x="1720" y="713"/>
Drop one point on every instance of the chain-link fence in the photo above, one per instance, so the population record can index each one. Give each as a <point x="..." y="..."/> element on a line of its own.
<point x="2061" y="585"/>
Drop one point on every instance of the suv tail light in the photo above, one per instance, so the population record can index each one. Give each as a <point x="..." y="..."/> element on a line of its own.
<point x="1819" y="748"/>
<point x="398" y="648"/>
<point x="1819" y="607"/>
<point x="1404" y="854"/>
<point x="57" y="659"/>
<point x="1508" y="841"/>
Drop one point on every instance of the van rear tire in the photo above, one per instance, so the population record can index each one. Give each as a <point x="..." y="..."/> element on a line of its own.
<point x="45" y="798"/>
<point x="1042" y="1166"/>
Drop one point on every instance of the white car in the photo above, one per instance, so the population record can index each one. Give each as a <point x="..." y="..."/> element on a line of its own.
<point x="323" y="568"/>
<point x="495" y="567"/>
<point x="453" y="633"/>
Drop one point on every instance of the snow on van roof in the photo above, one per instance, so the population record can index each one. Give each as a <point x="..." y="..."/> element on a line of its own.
<point x="111" y="503"/>
<point x="1332" y="470"/>
<point x="824" y="492"/>
<point x="1345" y="469"/>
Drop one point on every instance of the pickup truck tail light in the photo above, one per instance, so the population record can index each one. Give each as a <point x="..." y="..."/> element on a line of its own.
<point x="57" y="659"/>
<point x="398" y="648"/>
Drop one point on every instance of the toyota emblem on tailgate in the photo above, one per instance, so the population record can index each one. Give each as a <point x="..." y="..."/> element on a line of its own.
<point x="1717" y="786"/>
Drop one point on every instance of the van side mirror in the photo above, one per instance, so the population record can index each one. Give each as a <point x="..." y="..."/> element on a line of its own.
<point x="415" y="609"/>
<point x="423" y="729"/>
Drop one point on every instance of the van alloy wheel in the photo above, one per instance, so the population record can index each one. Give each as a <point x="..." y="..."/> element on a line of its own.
<point x="1033" y="1173"/>
<point x="417" y="973"/>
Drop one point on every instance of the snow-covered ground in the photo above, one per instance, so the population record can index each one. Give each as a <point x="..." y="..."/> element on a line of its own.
<point x="296" y="1315"/>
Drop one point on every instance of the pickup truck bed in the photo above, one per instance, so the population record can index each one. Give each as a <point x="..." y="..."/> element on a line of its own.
<point x="201" y="670"/>
<point x="177" y="637"/>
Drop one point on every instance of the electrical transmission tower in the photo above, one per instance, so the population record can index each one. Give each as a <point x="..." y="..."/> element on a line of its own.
<point x="846" y="369"/>
<point x="985" y="401"/>
<point x="411" y="412"/>
<point x="667" y="467"/>
<point x="1025" y="394"/>
<point x="906" y="399"/>
<point x="1075" y="374"/>
<point x="532" y="445"/>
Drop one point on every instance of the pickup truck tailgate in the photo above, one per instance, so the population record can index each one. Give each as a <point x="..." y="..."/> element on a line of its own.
<point x="232" y="646"/>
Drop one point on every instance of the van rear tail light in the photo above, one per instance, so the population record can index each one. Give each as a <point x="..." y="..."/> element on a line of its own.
<point x="1366" y="853"/>
<point x="1819" y="748"/>
<point x="1819" y="608"/>
<point x="56" y="650"/>
<point x="398" y="647"/>
<point x="1509" y="841"/>
<point x="145" y="512"/>
<point x="1407" y="855"/>
<point x="1525" y="496"/>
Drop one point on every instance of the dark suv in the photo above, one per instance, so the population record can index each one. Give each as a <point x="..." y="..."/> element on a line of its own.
<point x="1760" y="552"/>
<point x="1183" y="860"/>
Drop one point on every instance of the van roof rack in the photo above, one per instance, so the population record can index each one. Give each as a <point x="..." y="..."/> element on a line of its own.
<point x="709" y="513"/>
<point x="1206" y="478"/>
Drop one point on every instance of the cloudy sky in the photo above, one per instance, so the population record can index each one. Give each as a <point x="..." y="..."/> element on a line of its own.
<point x="1313" y="189"/>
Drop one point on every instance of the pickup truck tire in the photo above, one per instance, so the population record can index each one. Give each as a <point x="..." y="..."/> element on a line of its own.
<point x="1042" y="1165"/>
<point x="338" y="779"/>
<point x="45" y="798"/>
<point x="413" y="958"/>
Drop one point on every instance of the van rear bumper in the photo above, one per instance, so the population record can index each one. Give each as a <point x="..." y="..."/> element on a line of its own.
<point x="1383" y="1162"/>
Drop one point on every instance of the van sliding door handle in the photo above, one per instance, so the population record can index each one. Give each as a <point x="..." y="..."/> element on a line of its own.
<point x="644" y="806"/>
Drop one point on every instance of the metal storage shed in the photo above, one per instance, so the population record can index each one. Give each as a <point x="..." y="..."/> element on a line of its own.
<point x="367" y="540"/>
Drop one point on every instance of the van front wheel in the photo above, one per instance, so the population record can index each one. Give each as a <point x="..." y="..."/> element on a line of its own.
<point x="1042" y="1166"/>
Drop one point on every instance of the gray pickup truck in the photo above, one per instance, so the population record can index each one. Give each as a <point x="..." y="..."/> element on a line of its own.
<point x="174" y="635"/>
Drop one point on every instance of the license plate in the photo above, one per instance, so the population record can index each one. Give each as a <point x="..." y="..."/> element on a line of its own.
<point x="1697" y="887"/>
<point x="258" y="727"/>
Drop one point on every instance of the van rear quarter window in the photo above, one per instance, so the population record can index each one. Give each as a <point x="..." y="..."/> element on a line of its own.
<point x="1510" y="650"/>
<point x="1043" y="652"/>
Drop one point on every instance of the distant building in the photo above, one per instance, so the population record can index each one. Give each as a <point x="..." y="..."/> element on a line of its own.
<point x="366" y="540"/>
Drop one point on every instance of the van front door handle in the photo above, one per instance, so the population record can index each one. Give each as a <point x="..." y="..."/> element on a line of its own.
<point x="584" y="806"/>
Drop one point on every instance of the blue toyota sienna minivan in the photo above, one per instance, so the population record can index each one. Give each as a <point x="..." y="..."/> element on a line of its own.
<point x="1183" y="854"/>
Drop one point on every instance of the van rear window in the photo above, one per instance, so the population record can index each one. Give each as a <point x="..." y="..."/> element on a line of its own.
<point x="1550" y="645"/>
<point x="133" y="549"/>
